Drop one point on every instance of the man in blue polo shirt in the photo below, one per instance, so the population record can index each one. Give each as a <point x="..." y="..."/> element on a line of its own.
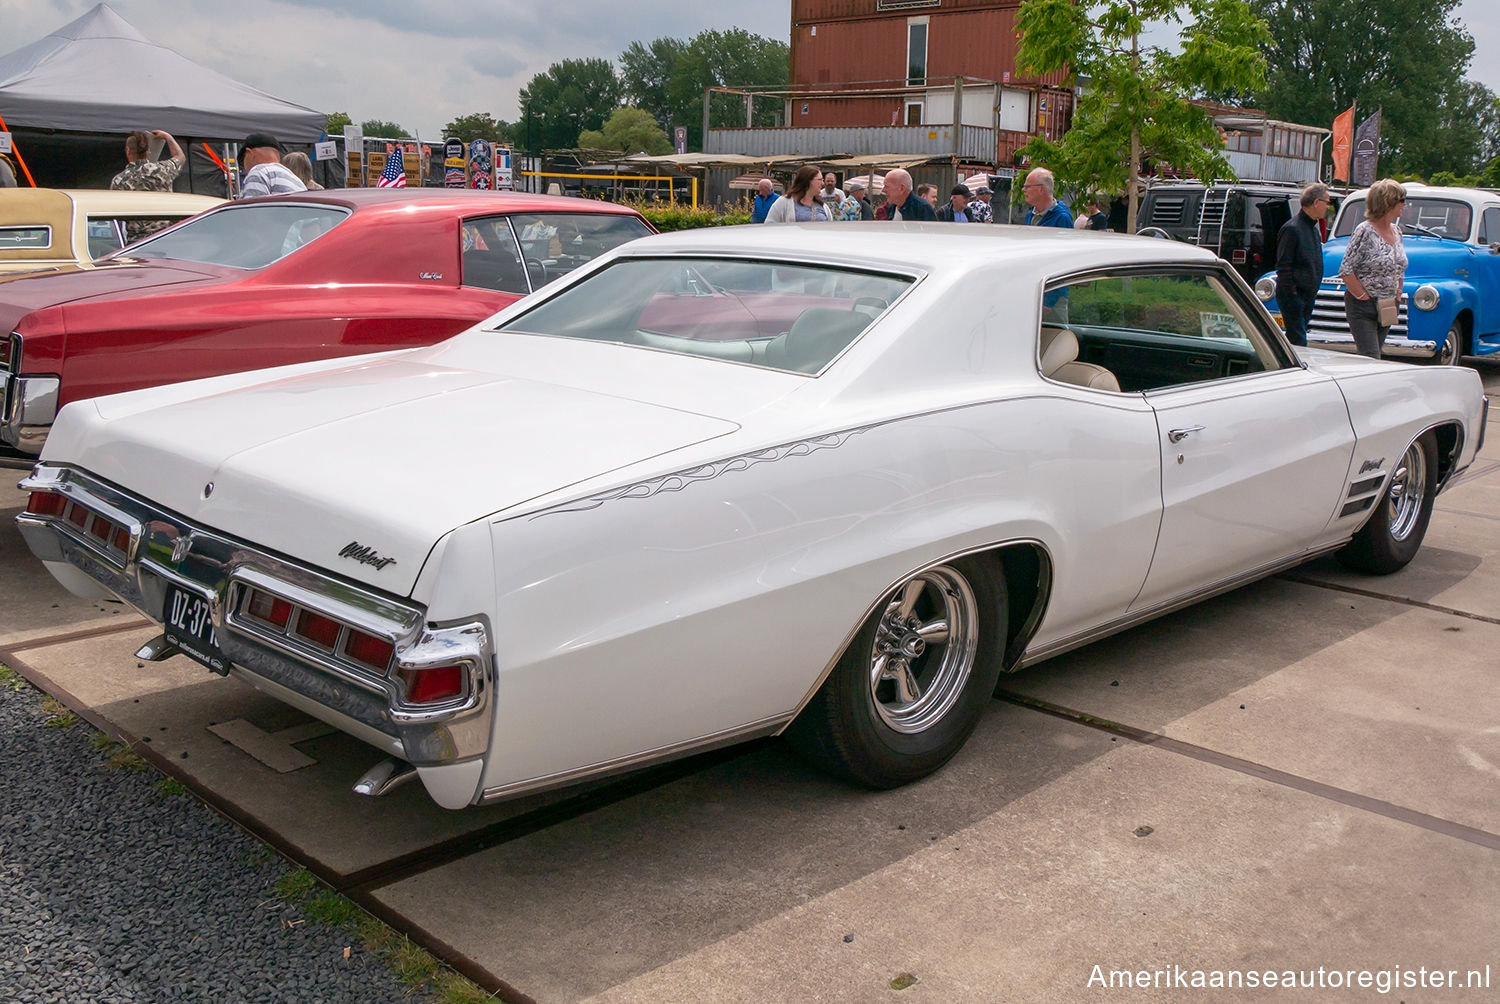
<point x="1043" y="208"/>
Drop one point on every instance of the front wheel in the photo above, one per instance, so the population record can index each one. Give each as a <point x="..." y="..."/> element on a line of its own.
<point x="909" y="689"/>
<point x="1394" y="532"/>
<point x="1452" y="349"/>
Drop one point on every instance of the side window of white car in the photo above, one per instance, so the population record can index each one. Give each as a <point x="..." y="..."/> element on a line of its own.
<point x="1141" y="330"/>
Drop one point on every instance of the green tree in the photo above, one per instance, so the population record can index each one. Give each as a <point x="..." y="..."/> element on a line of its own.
<point x="379" y="127"/>
<point x="571" y="96"/>
<point x="1406" y="57"/>
<point x="735" y="58"/>
<point x="336" y="123"/>
<point x="645" y="72"/>
<point x="480" y="125"/>
<point x="1135" y="103"/>
<point x="630" y="130"/>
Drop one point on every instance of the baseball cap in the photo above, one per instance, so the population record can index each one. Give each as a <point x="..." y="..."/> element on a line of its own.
<point x="854" y="186"/>
<point x="983" y="190"/>
<point x="961" y="190"/>
<point x="259" y="139"/>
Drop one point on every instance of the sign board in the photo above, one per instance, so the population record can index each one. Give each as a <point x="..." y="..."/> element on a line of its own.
<point x="327" y="150"/>
<point x="453" y="163"/>
<point x="354" y="157"/>
<point x="504" y="178"/>
<point x="5" y="142"/>
<point x="679" y="139"/>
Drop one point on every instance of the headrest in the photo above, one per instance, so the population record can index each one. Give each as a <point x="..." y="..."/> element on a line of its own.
<point x="1059" y="347"/>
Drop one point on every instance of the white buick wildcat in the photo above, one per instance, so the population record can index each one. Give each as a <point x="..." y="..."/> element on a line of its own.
<point x="825" y="481"/>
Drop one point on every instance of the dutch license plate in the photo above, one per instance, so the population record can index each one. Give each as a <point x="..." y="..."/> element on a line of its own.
<point x="189" y="621"/>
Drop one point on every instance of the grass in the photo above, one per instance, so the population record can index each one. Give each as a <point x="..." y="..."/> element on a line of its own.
<point x="169" y="787"/>
<point x="411" y="964"/>
<point x="10" y="679"/>
<point x="58" y="715"/>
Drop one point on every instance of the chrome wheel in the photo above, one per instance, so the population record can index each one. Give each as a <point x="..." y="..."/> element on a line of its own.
<point x="1408" y="492"/>
<point x="1448" y="352"/>
<point x="924" y="649"/>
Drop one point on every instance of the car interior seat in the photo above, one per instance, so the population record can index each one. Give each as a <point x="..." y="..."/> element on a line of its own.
<point x="816" y="336"/>
<point x="494" y="270"/>
<point x="1059" y="362"/>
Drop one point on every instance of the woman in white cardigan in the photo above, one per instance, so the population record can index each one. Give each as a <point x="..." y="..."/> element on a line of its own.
<point x="801" y="203"/>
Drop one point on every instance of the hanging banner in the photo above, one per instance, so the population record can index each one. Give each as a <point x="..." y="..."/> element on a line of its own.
<point x="1366" y="150"/>
<point x="1343" y="141"/>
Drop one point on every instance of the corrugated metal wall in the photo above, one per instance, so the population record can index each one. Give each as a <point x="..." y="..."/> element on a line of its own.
<point x="975" y="143"/>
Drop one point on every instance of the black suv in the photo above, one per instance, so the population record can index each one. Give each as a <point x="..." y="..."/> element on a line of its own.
<point x="1238" y="221"/>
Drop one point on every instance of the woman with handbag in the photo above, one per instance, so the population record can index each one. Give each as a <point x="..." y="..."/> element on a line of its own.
<point x="1374" y="266"/>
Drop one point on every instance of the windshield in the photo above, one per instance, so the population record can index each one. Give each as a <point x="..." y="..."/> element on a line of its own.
<point x="795" y="318"/>
<point x="248" y="237"/>
<point x="1444" y="217"/>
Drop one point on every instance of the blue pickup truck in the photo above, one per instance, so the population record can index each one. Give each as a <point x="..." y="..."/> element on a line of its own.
<point x="1451" y="303"/>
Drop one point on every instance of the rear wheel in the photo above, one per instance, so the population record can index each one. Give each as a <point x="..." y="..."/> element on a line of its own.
<point x="1394" y="532"/>
<point x="910" y="688"/>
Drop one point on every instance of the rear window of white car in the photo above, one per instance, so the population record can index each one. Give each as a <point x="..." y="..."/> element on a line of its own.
<point x="249" y="237"/>
<point x="796" y="318"/>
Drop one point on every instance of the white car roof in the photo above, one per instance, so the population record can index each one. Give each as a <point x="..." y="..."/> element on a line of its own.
<point x="942" y="248"/>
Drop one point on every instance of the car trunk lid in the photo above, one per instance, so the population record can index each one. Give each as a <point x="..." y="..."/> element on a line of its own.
<point x="311" y="465"/>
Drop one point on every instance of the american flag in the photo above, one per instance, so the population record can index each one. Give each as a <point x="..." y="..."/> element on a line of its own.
<point x="394" y="175"/>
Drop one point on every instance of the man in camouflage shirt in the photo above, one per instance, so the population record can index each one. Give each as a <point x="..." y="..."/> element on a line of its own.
<point x="142" y="174"/>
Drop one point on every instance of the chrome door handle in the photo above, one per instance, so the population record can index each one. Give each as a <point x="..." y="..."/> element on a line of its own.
<point x="1178" y="435"/>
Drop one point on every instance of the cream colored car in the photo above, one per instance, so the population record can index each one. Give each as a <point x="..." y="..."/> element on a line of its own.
<point x="48" y="227"/>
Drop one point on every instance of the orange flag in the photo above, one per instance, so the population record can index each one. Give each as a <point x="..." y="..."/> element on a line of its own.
<point x="1343" y="133"/>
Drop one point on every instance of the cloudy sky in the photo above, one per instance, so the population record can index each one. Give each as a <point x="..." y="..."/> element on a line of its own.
<point x="422" y="62"/>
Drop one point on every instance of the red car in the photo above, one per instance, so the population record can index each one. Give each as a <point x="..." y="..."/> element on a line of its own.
<point x="281" y="280"/>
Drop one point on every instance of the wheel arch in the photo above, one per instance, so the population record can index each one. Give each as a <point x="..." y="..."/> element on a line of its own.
<point x="1024" y="564"/>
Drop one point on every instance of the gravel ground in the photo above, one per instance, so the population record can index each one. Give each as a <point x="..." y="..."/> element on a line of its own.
<point x="114" y="892"/>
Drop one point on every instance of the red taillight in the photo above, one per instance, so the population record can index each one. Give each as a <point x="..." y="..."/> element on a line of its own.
<point x="101" y="528"/>
<point x="1238" y="256"/>
<point x="369" y="650"/>
<point x="318" y="629"/>
<point x="121" y="541"/>
<point x="425" y="686"/>
<point x="272" y="609"/>
<point x="78" y="515"/>
<point x="46" y="504"/>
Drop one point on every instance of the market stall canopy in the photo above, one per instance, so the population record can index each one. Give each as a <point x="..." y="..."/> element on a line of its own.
<point x="98" y="74"/>
<point x="886" y="161"/>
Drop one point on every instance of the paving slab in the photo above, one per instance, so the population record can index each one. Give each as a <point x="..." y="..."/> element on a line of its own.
<point x="1235" y="874"/>
<point x="171" y="707"/>
<point x="1388" y="700"/>
<point x="595" y="901"/>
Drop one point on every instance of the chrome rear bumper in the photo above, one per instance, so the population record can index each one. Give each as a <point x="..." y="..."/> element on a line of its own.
<point x="136" y="550"/>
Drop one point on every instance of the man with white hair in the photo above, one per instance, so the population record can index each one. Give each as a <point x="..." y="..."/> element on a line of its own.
<point x="765" y="197"/>
<point x="1044" y="209"/>
<point x="901" y="203"/>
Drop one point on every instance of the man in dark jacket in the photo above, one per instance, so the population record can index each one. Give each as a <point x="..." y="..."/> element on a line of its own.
<point x="901" y="202"/>
<point x="1299" y="263"/>
<point x="957" y="209"/>
<point x="765" y="197"/>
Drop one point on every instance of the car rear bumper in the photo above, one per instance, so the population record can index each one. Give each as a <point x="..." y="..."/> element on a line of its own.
<point x="135" y="550"/>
